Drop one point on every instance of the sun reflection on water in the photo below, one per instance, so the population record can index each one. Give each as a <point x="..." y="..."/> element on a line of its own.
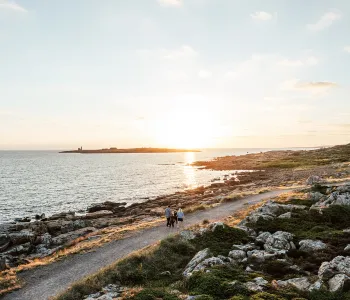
<point x="189" y="171"/>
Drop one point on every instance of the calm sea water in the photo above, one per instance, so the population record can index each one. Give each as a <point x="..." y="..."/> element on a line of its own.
<point x="35" y="182"/>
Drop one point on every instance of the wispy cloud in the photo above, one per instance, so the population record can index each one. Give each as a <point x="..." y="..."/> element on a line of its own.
<point x="11" y="5"/>
<point x="309" y="61"/>
<point x="347" y="49"/>
<point x="325" y="21"/>
<point x="176" y="3"/>
<point x="183" y="51"/>
<point x="315" y="85"/>
<point x="261" y="16"/>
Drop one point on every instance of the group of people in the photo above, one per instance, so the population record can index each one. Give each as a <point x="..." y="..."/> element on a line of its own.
<point x="173" y="217"/>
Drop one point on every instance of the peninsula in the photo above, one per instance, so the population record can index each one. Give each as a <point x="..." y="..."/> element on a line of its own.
<point x="129" y="150"/>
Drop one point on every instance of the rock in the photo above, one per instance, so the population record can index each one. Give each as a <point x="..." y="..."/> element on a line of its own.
<point x="339" y="265"/>
<point x="316" y="286"/>
<point x="78" y="224"/>
<point x="347" y="248"/>
<point x="111" y="288"/>
<point x="311" y="245"/>
<point x="165" y="273"/>
<point x="45" y="239"/>
<point x="22" y="237"/>
<point x="99" y="214"/>
<point x="225" y="259"/>
<point x="245" y="248"/>
<point x="67" y="237"/>
<point x="207" y="263"/>
<point x="262" y="237"/>
<point x="339" y="283"/>
<point x="301" y="284"/>
<point x="198" y="258"/>
<point x="286" y="215"/>
<point x="216" y="225"/>
<point x="43" y="251"/>
<point x="343" y="199"/>
<point x="257" y="285"/>
<point x="313" y="180"/>
<point x="187" y="235"/>
<point x="3" y="264"/>
<point x="38" y="227"/>
<point x="315" y="196"/>
<point x="259" y="256"/>
<point x="108" y="205"/>
<point x="280" y="240"/>
<point x="4" y="241"/>
<point x="63" y="215"/>
<point x="25" y="219"/>
<point x="237" y="255"/>
<point x="53" y="227"/>
<point x="19" y="249"/>
<point x="251" y="232"/>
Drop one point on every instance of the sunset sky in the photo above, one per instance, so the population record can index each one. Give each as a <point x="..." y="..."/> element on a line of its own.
<point x="174" y="73"/>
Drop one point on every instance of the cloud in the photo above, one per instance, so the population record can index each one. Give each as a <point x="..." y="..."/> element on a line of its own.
<point x="325" y="21"/>
<point x="315" y="85"/>
<point x="176" y="3"/>
<point x="347" y="49"/>
<point x="183" y="51"/>
<point x="309" y="61"/>
<point x="11" y="5"/>
<point x="204" y="74"/>
<point x="261" y="16"/>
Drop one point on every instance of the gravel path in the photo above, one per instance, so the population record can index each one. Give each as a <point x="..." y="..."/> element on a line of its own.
<point x="46" y="281"/>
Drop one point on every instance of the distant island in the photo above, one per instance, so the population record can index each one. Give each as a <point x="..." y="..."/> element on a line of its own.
<point x="129" y="150"/>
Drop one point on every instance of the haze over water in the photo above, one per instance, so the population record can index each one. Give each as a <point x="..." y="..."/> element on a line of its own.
<point x="35" y="182"/>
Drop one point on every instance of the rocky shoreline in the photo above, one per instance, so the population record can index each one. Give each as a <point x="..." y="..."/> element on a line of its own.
<point x="25" y="240"/>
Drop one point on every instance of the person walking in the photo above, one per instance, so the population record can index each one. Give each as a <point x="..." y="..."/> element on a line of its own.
<point x="180" y="217"/>
<point x="168" y="216"/>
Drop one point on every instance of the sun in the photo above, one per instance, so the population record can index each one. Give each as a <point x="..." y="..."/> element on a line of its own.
<point x="185" y="129"/>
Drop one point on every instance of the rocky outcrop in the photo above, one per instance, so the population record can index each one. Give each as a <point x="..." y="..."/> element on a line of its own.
<point x="301" y="284"/>
<point x="237" y="255"/>
<point x="108" y="205"/>
<point x="198" y="258"/>
<point x="109" y="292"/>
<point x="67" y="237"/>
<point x="339" y="265"/>
<point x="311" y="245"/>
<point x="280" y="240"/>
<point x="207" y="263"/>
<point x="258" y="284"/>
<point x="314" y="179"/>
<point x="339" y="283"/>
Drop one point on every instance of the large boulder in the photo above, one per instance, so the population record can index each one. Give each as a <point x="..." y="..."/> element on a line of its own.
<point x="256" y="285"/>
<point x="108" y="205"/>
<point x="280" y="240"/>
<point x="339" y="283"/>
<point x="207" y="263"/>
<point x="312" y="245"/>
<point x="260" y="256"/>
<point x="237" y="255"/>
<point x="198" y="258"/>
<point x="45" y="239"/>
<point x="339" y="265"/>
<point x="187" y="235"/>
<point x="70" y="236"/>
<point x="301" y="284"/>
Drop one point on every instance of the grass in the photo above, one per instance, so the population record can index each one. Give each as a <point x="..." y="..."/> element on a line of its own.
<point x="144" y="268"/>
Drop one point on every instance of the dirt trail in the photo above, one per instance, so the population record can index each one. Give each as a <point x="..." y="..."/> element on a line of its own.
<point x="46" y="281"/>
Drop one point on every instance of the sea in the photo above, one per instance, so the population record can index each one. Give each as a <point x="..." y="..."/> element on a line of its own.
<point x="36" y="182"/>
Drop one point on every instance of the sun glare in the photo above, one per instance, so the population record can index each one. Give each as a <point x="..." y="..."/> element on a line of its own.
<point x="185" y="130"/>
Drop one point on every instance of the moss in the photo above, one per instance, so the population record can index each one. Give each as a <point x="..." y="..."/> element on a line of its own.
<point x="154" y="294"/>
<point x="278" y="269"/>
<point x="295" y="201"/>
<point x="217" y="284"/>
<point x="266" y="296"/>
<point x="204" y="297"/>
<point x="221" y="240"/>
<point x="324" y="295"/>
<point x="239" y="297"/>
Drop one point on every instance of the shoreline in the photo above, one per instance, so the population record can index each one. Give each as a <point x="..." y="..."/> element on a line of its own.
<point x="66" y="233"/>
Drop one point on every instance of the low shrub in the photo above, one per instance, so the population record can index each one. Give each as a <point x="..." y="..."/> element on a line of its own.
<point x="154" y="294"/>
<point x="221" y="240"/>
<point x="266" y="296"/>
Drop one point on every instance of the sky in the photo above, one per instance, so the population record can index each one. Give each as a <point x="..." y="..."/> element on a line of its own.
<point x="174" y="73"/>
